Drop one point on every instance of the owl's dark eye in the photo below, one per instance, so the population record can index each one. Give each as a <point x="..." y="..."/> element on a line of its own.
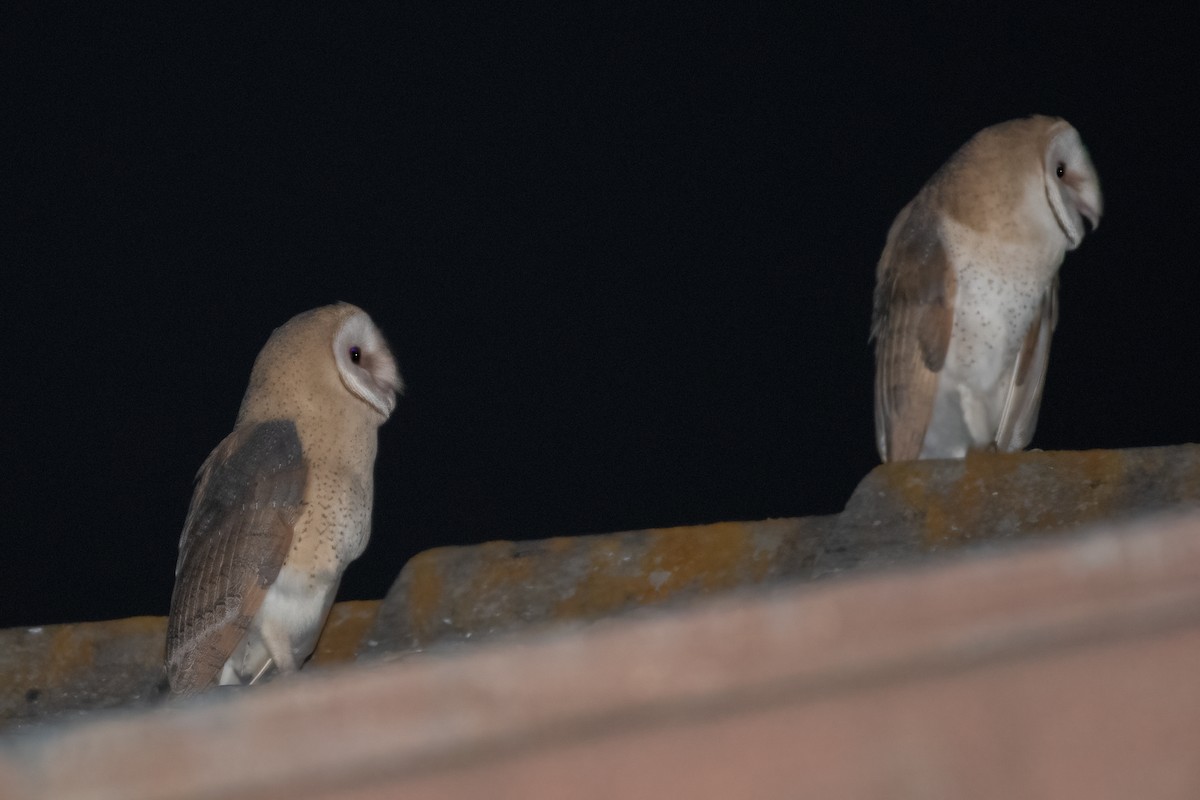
<point x="355" y="354"/>
<point x="1062" y="169"/>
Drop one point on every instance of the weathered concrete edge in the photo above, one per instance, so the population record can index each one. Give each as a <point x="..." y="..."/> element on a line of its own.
<point x="54" y="660"/>
<point x="427" y="597"/>
<point x="430" y="713"/>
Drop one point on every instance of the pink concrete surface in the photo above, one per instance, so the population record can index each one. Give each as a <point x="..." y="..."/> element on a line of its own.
<point x="1064" y="669"/>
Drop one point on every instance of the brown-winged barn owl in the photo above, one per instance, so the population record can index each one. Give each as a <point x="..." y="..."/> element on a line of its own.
<point x="283" y="504"/>
<point x="966" y="290"/>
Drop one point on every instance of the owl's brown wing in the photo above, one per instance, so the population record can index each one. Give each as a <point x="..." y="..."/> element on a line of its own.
<point x="238" y="530"/>
<point x="911" y="325"/>
<point x="1020" y="414"/>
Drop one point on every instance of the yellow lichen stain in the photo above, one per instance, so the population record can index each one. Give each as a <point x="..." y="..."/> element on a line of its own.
<point x="559" y="544"/>
<point x="492" y="574"/>
<point x="498" y="571"/>
<point x="700" y="558"/>
<point x="604" y="587"/>
<point x="909" y="480"/>
<point x="498" y="567"/>
<point x="955" y="516"/>
<point x="55" y="655"/>
<point x="149" y="626"/>
<point x="69" y="653"/>
<point x="1189" y="490"/>
<point x="1091" y="486"/>
<point x="1086" y="486"/>
<point x="347" y="624"/>
<point x="709" y="556"/>
<point x="423" y="599"/>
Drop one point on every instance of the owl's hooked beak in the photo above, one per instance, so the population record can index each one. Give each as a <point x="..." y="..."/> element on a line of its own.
<point x="389" y="390"/>
<point x="1090" y="214"/>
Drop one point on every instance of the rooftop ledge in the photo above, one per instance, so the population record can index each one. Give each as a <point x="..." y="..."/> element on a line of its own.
<point x="1008" y="625"/>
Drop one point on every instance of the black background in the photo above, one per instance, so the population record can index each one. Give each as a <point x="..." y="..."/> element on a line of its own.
<point x="624" y="256"/>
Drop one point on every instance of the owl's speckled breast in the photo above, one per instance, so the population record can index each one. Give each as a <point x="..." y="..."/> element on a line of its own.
<point x="1000" y="287"/>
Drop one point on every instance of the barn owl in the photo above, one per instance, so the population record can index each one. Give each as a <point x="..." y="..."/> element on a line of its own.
<point x="283" y="504"/>
<point x="966" y="294"/>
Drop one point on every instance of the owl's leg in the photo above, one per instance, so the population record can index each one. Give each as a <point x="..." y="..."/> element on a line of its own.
<point x="279" y="645"/>
<point x="976" y="417"/>
<point x="261" y="671"/>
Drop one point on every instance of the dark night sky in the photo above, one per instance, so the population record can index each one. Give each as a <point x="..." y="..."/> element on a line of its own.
<point x="624" y="258"/>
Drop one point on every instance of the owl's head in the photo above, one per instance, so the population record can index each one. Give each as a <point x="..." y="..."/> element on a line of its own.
<point x="364" y="362"/>
<point x="1072" y="186"/>
<point x="320" y="360"/>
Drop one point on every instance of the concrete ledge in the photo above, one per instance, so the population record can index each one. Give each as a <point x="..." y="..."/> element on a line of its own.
<point x="54" y="673"/>
<point x="459" y="594"/>
<point x="899" y="513"/>
<point x="1063" y="669"/>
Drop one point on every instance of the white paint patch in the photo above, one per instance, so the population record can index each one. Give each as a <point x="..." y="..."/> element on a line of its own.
<point x="659" y="577"/>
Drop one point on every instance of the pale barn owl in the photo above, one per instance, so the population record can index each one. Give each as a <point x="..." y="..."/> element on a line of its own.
<point x="283" y="504"/>
<point x="966" y="294"/>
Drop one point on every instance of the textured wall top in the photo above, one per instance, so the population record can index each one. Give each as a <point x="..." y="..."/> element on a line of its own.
<point x="459" y="595"/>
<point x="58" y="672"/>
<point x="1059" y="669"/>
<point x="898" y="513"/>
